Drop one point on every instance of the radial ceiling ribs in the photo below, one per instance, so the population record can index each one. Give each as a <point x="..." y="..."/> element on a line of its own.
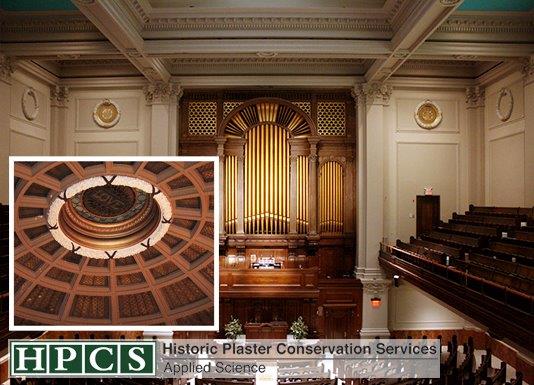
<point x="169" y="282"/>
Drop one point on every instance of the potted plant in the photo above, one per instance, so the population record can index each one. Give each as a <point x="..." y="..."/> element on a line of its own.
<point x="299" y="329"/>
<point x="233" y="328"/>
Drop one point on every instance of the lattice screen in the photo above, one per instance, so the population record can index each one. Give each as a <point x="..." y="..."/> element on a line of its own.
<point x="304" y="106"/>
<point x="331" y="118"/>
<point x="202" y="118"/>
<point x="229" y="107"/>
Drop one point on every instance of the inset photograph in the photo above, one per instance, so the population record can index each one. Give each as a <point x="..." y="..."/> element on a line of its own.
<point x="113" y="244"/>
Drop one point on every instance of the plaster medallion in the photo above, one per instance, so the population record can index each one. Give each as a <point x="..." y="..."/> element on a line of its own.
<point x="106" y="113"/>
<point x="428" y="115"/>
<point x="505" y="104"/>
<point x="30" y="104"/>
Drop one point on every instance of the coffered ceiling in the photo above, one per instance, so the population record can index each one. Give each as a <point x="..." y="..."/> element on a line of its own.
<point x="373" y="39"/>
<point x="88" y="281"/>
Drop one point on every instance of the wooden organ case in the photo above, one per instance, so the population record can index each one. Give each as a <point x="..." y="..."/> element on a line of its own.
<point x="287" y="205"/>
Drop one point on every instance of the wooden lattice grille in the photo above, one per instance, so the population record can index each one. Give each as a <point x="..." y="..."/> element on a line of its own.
<point x="202" y="118"/>
<point x="331" y="118"/>
<point x="331" y="198"/>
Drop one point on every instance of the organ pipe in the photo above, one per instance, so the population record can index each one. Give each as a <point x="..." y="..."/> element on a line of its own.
<point x="266" y="177"/>
<point x="331" y="198"/>
<point x="230" y="193"/>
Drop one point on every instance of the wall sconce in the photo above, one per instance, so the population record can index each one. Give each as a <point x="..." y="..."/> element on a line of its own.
<point x="231" y="259"/>
<point x="375" y="302"/>
<point x="396" y="279"/>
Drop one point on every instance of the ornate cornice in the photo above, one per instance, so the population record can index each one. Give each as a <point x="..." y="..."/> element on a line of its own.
<point x="487" y="24"/>
<point x="59" y="96"/>
<point x="268" y="23"/>
<point x="372" y="93"/>
<point x="449" y="3"/>
<point x="474" y="97"/>
<point x="47" y="24"/>
<point x="6" y="68"/>
<point x="161" y="93"/>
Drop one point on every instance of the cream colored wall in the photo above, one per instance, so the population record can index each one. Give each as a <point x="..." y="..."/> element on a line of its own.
<point x="29" y="137"/>
<point x="128" y="137"/>
<point x="417" y="158"/>
<point x="410" y="308"/>
<point x="505" y="146"/>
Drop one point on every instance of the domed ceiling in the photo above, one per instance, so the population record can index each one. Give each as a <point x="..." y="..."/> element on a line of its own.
<point x="114" y="243"/>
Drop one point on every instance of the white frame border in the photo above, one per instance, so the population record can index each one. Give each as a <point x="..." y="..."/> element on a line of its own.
<point x="143" y="328"/>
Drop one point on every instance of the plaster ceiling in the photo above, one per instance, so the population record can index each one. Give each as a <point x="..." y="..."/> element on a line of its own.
<point x="170" y="282"/>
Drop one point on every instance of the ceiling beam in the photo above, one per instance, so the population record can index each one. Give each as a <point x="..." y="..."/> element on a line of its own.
<point x="418" y="21"/>
<point x="123" y="30"/>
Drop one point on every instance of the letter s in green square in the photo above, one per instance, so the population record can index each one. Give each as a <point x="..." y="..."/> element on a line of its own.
<point x="137" y="358"/>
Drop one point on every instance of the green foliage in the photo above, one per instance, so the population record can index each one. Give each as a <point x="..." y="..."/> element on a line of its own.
<point x="233" y="328"/>
<point x="299" y="329"/>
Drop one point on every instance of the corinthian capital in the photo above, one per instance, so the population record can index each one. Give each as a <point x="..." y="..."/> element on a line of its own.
<point x="372" y="93"/>
<point x="6" y="68"/>
<point x="59" y="96"/>
<point x="528" y="69"/>
<point x="474" y="97"/>
<point x="161" y="93"/>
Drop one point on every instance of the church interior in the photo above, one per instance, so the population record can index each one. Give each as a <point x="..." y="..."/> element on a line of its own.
<point x="375" y="171"/>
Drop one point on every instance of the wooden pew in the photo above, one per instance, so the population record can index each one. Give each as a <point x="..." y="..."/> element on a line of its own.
<point x="452" y="239"/>
<point x="527" y="212"/>
<point x="511" y="249"/>
<point x="486" y="220"/>
<point x="439" y="247"/>
<point x="468" y="229"/>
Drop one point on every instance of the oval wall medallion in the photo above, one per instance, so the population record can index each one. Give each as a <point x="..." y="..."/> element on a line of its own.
<point x="505" y="104"/>
<point x="428" y="115"/>
<point x="106" y="113"/>
<point x="30" y="105"/>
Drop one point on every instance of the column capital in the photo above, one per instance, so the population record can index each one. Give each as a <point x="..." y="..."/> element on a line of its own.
<point x="528" y="70"/>
<point x="161" y="93"/>
<point x="372" y="93"/>
<point x="59" y="96"/>
<point x="7" y="67"/>
<point x="375" y="286"/>
<point x="474" y="97"/>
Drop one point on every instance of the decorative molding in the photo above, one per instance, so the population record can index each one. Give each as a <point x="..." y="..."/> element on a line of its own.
<point x="6" y="68"/>
<point x="153" y="238"/>
<point x="30" y="104"/>
<point x="505" y="104"/>
<point x="428" y="115"/>
<point x="106" y="113"/>
<point x="46" y="24"/>
<point x="474" y="96"/>
<point x="59" y="96"/>
<point x="449" y="3"/>
<point x="373" y="93"/>
<point x="528" y="70"/>
<point x="375" y="286"/>
<point x="161" y="93"/>
<point x="484" y="23"/>
<point x="374" y="24"/>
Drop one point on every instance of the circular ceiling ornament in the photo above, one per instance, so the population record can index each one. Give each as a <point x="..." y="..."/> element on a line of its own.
<point x="505" y="104"/>
<point x="30" y="104"/>
<point x="109" y="216"/>
<point x="428" y="115"/>
<point x="106" y="113"/>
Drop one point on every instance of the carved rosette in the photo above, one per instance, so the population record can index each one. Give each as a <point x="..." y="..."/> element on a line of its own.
<point x="161" y="93"/>
<point x="474" y="97"/>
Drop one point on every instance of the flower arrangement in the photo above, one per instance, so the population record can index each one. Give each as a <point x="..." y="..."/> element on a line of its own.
<point x="233" y="328"/>
<point x="299" y="329"/>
